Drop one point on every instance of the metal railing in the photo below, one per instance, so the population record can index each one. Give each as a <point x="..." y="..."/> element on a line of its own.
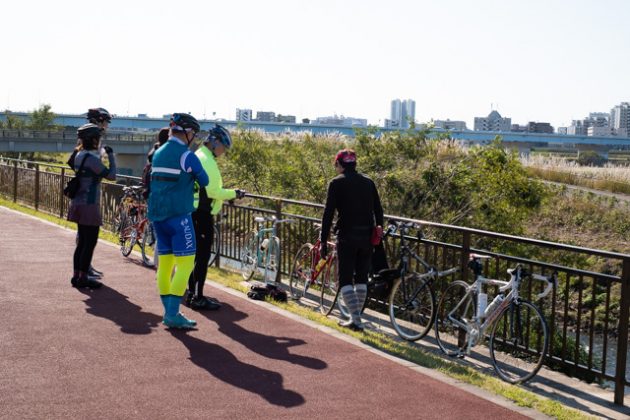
<point x="72" y="135"/>
<point x="587" y="313"/>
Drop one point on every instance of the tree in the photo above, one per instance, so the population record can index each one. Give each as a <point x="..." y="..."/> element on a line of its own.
<point x="42" y="118"/>
<point x="12" y="122"/>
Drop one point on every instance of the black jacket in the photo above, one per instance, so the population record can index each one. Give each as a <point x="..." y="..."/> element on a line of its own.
<point x="358" y="205"/>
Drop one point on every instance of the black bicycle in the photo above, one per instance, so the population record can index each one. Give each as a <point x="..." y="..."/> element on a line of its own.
<point x="410" y="294"/>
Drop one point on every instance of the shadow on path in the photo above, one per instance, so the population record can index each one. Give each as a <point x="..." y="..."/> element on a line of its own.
<point x="268" y="346"/>
<point x="110" y="304"/>
<point x="223" y="365"/>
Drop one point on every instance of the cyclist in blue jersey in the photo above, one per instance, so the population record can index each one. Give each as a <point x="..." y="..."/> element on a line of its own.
<point x="173" y="174"/>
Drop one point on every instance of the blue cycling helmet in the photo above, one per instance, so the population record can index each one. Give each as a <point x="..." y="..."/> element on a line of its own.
<point x="218" y="134"/>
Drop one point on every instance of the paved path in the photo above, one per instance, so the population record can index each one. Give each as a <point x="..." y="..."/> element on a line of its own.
<point x="67" y="353"/>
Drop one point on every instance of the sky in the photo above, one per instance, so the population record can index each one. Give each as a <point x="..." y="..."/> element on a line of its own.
<point x="549" y="61"/>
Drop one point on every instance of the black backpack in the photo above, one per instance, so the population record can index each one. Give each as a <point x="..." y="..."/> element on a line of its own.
<point x="260" y="292"/>
<point x="72" y="186"/>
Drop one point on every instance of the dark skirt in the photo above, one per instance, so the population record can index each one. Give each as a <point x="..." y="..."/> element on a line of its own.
<point x="85" y="214"/>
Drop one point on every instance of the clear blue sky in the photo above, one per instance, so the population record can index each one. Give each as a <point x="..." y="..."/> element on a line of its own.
<point x="552" y="60"/>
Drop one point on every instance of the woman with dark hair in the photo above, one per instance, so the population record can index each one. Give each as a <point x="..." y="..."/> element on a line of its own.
<point x="85" y="206"/>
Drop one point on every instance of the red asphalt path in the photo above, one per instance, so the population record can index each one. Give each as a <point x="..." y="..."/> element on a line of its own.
<point x="68" y="353"/>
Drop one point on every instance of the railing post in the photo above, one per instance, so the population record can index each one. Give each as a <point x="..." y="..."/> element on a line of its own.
<point x="37" y="186"/>
<point x="61" y="200"/>
<point x="465" y="254"/>
<point x="281" y="254"/>
<point x="15" y="180"/>
<point x="622" y="338"/>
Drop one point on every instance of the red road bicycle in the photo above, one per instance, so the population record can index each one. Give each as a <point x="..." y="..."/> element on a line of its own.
<point x="312" y="273"/>
<point x="133" y="227"/>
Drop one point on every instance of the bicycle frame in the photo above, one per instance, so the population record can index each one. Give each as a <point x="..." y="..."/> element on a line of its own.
<point x="263" y="256"/>
<point x="482" y="321"/>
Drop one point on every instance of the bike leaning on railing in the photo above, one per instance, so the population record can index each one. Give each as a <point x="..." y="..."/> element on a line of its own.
<point x="412" y="305"/>
<point x="133" y="227"/>
<point x="310" y="271"/>
<point x="261" y="249"/>
<point x="518" y="333"/>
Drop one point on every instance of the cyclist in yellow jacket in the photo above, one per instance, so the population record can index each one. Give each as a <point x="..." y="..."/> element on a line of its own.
<point x="208" y="203"/>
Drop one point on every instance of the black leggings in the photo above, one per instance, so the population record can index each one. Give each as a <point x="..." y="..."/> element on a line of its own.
<point x="204" y="234"/>
<point x="355" y="255"/>
<point x="86" y="242"/>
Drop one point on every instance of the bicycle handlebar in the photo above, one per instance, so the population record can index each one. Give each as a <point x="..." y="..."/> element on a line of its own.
<point x="551" y="282"/>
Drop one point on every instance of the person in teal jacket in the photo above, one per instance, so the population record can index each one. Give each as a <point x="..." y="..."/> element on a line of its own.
<point x="208" y="203"/>
<point x="174" y="171"/>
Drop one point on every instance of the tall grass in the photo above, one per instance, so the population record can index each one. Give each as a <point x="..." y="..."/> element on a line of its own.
<point x="609" y="177"/>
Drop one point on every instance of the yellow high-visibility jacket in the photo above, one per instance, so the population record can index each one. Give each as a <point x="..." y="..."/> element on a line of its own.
<point x="214" y="189"/>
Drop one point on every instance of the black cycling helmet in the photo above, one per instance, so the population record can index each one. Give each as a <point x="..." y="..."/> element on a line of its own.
<point x="181" y="122"/>
<point x="219" y="134"/>
<point x="89" y="131"/>
<point x="98" y="115"/>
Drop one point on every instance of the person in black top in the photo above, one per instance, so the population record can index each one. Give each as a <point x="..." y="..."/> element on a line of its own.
<point x="358" y="205"/>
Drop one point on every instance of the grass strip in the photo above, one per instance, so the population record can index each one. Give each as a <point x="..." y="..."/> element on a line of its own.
<point x="377" y="340"/>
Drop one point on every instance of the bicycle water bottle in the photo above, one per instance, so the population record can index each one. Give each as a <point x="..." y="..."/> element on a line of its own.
<point x="320" y="264"/>
<point x="482" y="301"/>
<point x="494" y="304"/>
<point x="264" y="243"/>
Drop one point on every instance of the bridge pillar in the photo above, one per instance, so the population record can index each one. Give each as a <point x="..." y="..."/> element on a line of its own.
<point x="130" y="164"/>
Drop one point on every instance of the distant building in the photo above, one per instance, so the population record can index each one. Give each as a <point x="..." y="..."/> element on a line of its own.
<point x="539" y="127"/>
<point x="265" y="116"/>
<point x="450" y="125"/>
<point x="493" y="122"/>
<point x="516" y="128"/>
<point x="620" y="119"/>
<point x="391" y="123"/>
<point x="243" y="114"/>
<point x="341" y="120"/>
<point x="403" y="112"/>
<point x="594" y="119"/>
<point x="561" y="130"/>
<point x="599" y="131"/>
<point x="285" y="118"/>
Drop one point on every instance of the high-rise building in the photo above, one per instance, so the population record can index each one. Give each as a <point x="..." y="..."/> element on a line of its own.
<point x="493" y="122"/>
<point x="243" y="114"/>
<point x="620" y="119"/>
<point x="402" y="113"/>
<point x="539" y="127"/>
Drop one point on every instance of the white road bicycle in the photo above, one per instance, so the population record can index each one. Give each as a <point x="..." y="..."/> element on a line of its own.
<point x="518" y="333"/>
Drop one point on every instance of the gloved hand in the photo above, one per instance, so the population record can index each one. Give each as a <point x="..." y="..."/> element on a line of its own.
<point x="108" y="150"/>
<point x="323" y="249"/>
<point x="240" y="193"/>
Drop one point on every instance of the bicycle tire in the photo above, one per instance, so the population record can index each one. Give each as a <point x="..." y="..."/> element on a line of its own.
<point x="148" y="245"/>
<point x="330" y="287"/>
<point x="128" y="236"/>
<point x="511" y="351"/>
<point x="120" y="219"/>
<point x="249" y="255"/>
<point x="216" y="245"/>
<point x="272" y="260"/>
<point x="450" y="337"/>
<point x="412" y="307"/>
<point x="301" y="270"/>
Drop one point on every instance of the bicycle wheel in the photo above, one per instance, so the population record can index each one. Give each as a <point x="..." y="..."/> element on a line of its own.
<point x="216" y="245"/>
<point x="272" y="260"/>
<point x="148" y="245"/>
<point x="249" y="255"/>
<point x="412" y="307"/>
<point x="128" y="235"/>
<point x="301" y="270"/>
<point x="454" y="309"/>
<point x="120" y="218"/>
<point x="330" y="287"/>
<point x="518" y="342"/>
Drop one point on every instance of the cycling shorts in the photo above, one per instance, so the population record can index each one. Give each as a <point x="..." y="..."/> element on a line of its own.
<point x="176" y="235"/>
